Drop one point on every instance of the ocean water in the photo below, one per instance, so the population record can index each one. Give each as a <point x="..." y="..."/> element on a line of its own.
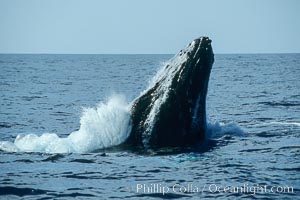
<point x="56" y="111"/>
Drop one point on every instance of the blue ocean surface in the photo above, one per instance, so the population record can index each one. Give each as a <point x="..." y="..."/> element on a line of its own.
<point x="56" y="111"/>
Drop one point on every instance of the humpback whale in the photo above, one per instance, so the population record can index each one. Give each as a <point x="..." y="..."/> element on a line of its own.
<point x="172" y="113"/>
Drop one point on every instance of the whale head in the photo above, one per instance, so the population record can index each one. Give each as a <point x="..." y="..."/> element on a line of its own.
<point x="172" y="112"/>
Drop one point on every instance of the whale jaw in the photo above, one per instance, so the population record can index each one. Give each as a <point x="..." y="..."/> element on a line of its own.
<point x="172" y="112"/>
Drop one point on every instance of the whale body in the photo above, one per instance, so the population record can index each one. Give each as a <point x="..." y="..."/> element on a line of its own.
<point x="172" y="112"/>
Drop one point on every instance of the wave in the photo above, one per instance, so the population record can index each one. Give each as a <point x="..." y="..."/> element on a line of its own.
<point x="286" y="123"/>
<point x="108" y="124"/>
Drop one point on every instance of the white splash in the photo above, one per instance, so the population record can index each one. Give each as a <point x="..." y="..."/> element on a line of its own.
<point x="216" y="129"/>
<point x="104" y="126"/>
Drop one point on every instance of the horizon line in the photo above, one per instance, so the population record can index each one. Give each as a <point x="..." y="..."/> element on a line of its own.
<point x="217" y="53"/>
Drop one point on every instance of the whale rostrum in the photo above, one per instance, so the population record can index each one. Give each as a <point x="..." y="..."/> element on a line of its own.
<point x="172" y="112"/>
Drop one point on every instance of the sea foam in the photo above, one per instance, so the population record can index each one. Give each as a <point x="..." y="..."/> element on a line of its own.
<point x="108" y="124"/>
<point x="215" y="129"/>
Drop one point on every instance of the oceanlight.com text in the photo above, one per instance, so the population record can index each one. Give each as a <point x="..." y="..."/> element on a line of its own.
<point x="210" y="188"/>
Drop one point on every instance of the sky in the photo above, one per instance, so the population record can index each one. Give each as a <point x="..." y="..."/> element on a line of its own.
<point x="148" y="26"/>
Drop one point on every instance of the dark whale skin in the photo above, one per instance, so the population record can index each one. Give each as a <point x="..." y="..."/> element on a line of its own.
<point x="172" y="113"/>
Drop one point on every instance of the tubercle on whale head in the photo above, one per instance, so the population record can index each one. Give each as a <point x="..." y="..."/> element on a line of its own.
<point x="190" y="58"/>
